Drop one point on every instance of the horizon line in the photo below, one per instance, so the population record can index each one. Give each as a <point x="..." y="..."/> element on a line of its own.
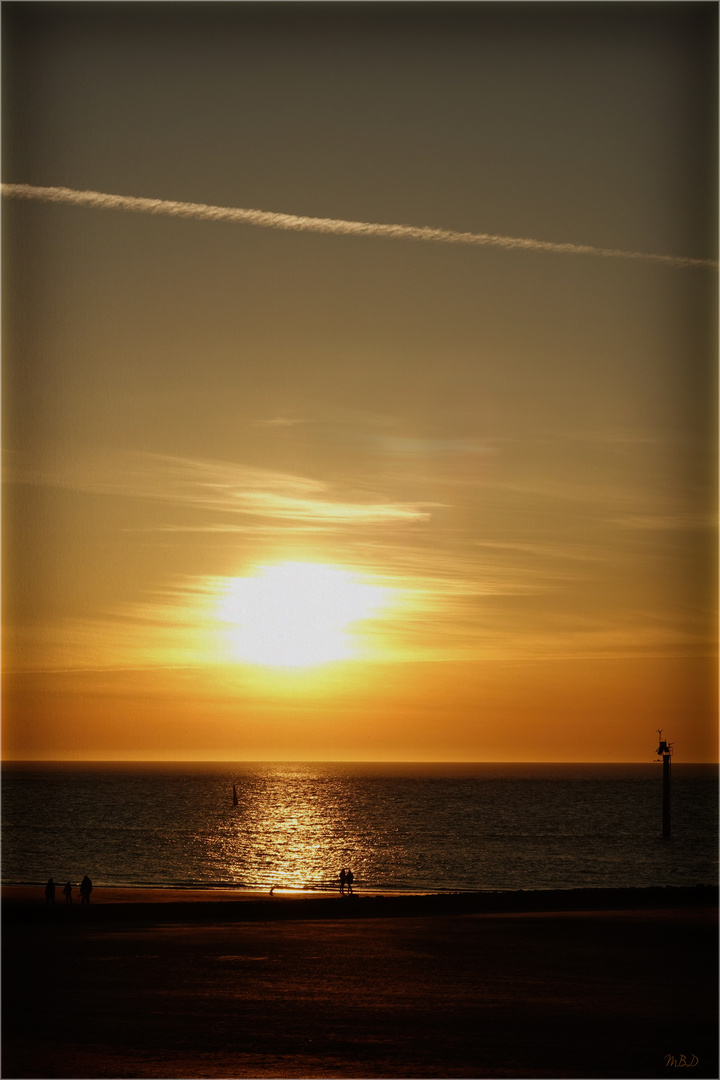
<point x="323" y="761"/>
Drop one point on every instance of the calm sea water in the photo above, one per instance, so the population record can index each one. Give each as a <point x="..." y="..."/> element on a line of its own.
<point x="400" y="827"/>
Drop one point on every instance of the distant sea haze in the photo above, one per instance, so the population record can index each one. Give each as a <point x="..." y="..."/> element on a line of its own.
<point x="398" y="827"/>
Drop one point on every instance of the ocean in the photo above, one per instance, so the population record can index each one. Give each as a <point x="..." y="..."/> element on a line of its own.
<point x="400" y="827"/>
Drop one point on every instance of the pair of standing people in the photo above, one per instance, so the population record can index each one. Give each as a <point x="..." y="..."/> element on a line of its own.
<point x="346" y="879"/>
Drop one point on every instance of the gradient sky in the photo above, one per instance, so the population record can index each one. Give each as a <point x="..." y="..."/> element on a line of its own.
<point x="508" y="456"/>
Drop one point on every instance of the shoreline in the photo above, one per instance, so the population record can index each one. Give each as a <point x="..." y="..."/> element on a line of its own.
<point x="27" y="903"/>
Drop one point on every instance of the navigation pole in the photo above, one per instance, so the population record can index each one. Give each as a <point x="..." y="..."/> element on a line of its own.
<point x="665" y="750"/>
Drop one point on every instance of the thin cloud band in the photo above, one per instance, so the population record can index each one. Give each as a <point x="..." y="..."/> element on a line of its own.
<point x="271" y="220"/>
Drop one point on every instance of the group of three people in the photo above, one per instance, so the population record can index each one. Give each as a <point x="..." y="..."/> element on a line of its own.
<point x="86" y="887"/>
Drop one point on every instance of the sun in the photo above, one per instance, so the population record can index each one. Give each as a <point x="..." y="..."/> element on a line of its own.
<point x="297" y="614"/>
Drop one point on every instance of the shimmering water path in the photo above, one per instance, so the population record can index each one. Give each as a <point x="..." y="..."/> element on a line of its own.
<point x="400" y="827"/>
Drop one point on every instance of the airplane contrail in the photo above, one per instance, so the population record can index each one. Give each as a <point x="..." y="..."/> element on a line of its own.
<point x="271" y="220"/>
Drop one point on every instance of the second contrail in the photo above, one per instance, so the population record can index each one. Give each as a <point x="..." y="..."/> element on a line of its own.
<point x="271" y="220"/>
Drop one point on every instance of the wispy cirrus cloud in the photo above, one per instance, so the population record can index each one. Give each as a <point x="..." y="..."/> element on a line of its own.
<point x="298" y="223"/>
<point x="217" y="486"/>
<point x="279" y="422"/>
<point x="668" y="522"/>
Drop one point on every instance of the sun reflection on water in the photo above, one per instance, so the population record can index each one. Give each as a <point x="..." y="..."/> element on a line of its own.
<point x="399" y="827"/>
<point x="288" y="835"/>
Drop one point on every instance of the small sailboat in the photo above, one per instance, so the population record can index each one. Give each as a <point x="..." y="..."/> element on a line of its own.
<point x="235" y="798"/>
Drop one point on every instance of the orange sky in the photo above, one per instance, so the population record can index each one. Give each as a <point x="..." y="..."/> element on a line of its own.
<point x="302" y="496"/>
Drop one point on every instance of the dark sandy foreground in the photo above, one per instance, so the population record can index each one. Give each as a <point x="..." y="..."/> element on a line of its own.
<point x="180" y="993"/>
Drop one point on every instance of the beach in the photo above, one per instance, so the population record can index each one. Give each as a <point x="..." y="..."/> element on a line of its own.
<point x="161" y="986"/>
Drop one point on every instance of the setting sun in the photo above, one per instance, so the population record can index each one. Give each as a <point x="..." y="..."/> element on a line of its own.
<point x="297" y="614"/>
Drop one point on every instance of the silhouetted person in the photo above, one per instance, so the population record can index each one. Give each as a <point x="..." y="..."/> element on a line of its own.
<point x="342" y="882"/>
<point x="67" y="890"/>
<point x="50" y="892"/>
<point x="349" y="877"/>
<point x="85" y="890"/>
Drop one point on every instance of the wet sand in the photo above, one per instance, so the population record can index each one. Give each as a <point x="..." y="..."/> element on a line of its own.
<point x="35" y="894"/>
<point x="196" y="989"/>
<point x="27" y="903"/>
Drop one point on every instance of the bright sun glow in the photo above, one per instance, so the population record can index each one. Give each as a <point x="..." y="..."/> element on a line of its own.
<point x="297" y="614"/>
